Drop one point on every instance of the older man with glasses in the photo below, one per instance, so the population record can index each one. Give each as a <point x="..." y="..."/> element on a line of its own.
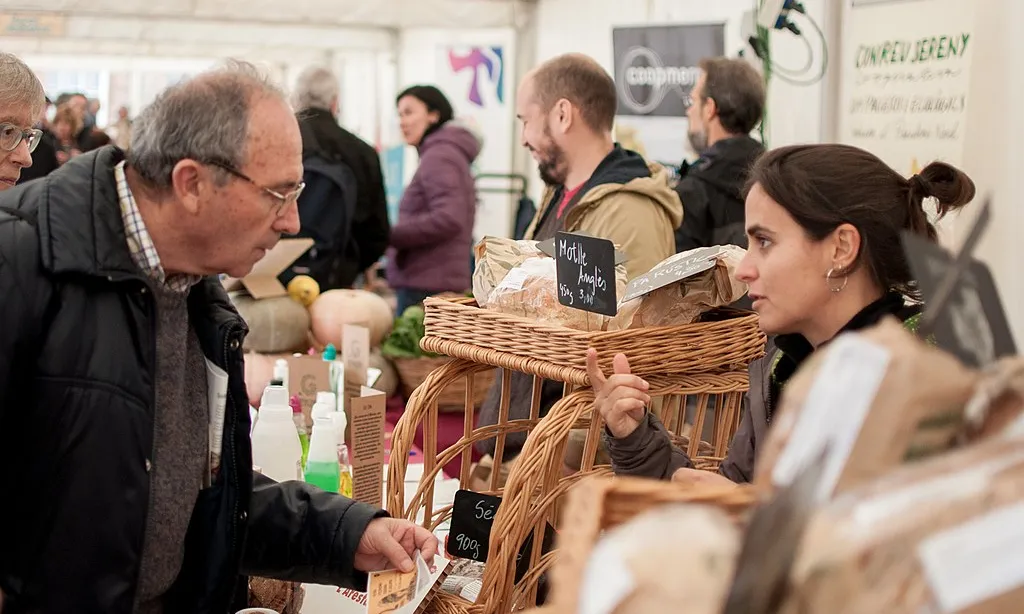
<point x="111" y="319"/>
<point x="21" y="100"/>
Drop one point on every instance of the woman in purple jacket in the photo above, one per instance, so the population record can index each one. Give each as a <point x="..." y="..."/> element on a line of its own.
<point x="432" y="240"/>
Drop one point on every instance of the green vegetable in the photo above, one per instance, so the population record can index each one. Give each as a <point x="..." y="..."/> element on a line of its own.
<point x="404" y="340"/>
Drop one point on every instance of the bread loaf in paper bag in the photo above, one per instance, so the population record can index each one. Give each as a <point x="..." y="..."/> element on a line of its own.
<point x="682" y="287"/>
<point x="878" y="397"/>
<point x="495" y="257"/>
<point x="530" y="290"/>
<point x="675" y="558"/>
<point x="997" y="407"/>
<point x="945" y="534"/>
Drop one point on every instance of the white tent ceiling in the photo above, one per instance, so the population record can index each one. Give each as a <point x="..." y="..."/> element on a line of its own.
<point x="391" y="14"/>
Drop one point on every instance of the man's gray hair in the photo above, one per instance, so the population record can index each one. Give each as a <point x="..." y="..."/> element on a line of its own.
<point x="316" y="88"/>
<point x="19" y="88"/>
<point x="205" y="118"/>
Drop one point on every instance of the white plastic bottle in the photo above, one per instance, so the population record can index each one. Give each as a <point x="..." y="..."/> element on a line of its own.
<point x="275" y="442"/>
<point x="328" y="398"/>
<point x="337" y="414"/>
<point x="340" y="424"/>
<point x="321" y="409"/>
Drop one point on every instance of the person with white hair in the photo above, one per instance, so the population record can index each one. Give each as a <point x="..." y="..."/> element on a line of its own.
<point x="21" y="100"/>
<point x="113" y="318"/>
<point x="343" y="208"/>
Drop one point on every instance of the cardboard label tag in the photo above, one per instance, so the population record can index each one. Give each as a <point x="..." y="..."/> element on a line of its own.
<point x="976" y="561"/>
<point x="355" y="352"/>
<point x="308" y="375"/>
<point x="355" y="360"/>
<point x="673" y="271"/>
<point x="367" y="448"/>
<point x="586" y="273"/>
<point x="834" y="411"/>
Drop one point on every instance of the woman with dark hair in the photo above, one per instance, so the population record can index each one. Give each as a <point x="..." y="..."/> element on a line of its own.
<point x="432" y="240"/>
<point x="825" y="257"/>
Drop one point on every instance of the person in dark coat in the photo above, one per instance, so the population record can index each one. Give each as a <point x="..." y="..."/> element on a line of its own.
<point x="728" y="101"/>
<point x="432" y="241"/>
<point x="360" y="235"/>
<point x="825" y="257"/>
<point x="122" y="504"/>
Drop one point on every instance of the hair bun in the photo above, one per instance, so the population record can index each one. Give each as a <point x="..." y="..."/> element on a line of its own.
<point x="944" y="182"/>
<point x="919" y="188"/>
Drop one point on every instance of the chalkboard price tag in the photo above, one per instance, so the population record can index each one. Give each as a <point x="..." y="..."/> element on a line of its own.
<point x="548" y="249"/>
<point x="586" y="273"/>
<point x="473" y="516"/>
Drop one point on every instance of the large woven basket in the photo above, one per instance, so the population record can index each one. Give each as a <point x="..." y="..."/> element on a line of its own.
<point x="734" y="340"/>
<point x="412" y="372"/>
<point x="533" y="493"/>
<point x="601" y="503"/>
<point x="669" y="358"/>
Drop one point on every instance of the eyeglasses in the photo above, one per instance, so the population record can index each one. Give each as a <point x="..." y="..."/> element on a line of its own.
<point x="11" y="136"/>
<point x="283" y="200"/>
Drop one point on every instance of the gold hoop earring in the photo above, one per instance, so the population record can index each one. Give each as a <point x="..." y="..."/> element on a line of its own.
<point x="829" y="277"/>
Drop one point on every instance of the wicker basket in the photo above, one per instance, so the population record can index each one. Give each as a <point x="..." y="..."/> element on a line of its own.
<point x="601" y="503"/>
<point x="703" y="347"/>
<point x="412" y="372"/>
<point x="532" y="495"/>
<point x="701" y="360"/>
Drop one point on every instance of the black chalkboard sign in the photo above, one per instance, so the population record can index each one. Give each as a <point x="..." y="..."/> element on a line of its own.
<point x="586" y="273"/>
<point x="470" y="533"/>
<point x="548" y="249"/>
<point x="472" y="517"/>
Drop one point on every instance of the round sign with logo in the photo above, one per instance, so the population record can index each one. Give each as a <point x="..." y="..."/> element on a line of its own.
<point x="645" y="81"/>
<point x="656" y="67"/>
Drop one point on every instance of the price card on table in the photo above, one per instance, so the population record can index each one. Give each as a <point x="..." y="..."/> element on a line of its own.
<point x="586" y="273"/>
<point x="367" y="446"/>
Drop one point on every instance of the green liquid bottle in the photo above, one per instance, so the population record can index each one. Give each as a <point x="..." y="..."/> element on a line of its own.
<point x="322" y="463"/>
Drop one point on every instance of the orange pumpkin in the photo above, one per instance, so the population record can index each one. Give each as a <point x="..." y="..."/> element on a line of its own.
<point x="333" y="309"/>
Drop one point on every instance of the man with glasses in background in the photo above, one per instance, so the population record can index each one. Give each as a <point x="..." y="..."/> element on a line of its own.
<point x="21" y="101"/>
<point x="111" y="318"/>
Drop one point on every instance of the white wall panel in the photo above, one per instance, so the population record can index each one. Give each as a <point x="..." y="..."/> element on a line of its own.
<point x="994" y="148"/>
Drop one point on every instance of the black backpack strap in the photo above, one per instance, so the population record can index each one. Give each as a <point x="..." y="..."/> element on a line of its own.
<point x="18" y="213"/>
